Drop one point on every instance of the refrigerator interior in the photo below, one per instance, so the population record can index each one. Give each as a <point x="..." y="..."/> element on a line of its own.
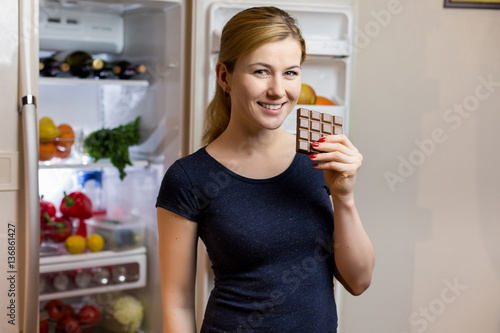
<point x="328" y="32"/>
<point x="152" y="34"/>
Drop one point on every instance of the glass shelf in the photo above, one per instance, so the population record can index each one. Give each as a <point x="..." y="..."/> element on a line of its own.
<point x="104" y="163"/>
<point x="77" y="81"/>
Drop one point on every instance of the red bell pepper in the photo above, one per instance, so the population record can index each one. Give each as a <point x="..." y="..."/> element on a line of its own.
<point x="46" y="208"/>
<point x="78" y="205"/>
<point x="59" y="228"/>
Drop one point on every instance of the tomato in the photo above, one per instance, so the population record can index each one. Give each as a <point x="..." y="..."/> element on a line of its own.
<point x="89" y="314"/>
<point x="55" y="309"/>
<point x="44" y="326"/>
<point x="59" y="229"/>
<point x="68" y="324"/>
<point x="68" y="310"/>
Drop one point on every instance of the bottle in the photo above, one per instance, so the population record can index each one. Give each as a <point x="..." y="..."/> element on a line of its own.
<point x="119" y="274"/>
<point x="125" y="70"/>
<point x="81" y="64"/>
<point x="101" y="276"/>
<point x="50" y="67"/>
<point x="82" y="278"/>
<point x="42" y="284"/>
<point x="105" y="72"/>
<point x="91" y="184"/>
<point x="61" y="282"/>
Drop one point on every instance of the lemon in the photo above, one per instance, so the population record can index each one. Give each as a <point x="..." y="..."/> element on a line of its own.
<point x="75" y="244"/>
<point x="45" y="120"/>
<point x="95" y="243"/>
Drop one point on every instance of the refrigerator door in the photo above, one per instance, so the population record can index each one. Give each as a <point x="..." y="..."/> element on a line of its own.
<point x="327" y="29"/>
<point x="28" y="90"/>
<point x="18" y="170"/>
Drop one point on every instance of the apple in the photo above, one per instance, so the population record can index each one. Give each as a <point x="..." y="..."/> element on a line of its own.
<point x="307" y="95"/>
<point x="55" y="309"/>
<point x="68" y="324"/>
<point x="89" y="314"/>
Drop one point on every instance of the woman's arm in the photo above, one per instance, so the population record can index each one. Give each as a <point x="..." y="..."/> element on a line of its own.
<point x="354" y="255"/>
<point x="178" y="240"/>
<point x="353" y="251"/>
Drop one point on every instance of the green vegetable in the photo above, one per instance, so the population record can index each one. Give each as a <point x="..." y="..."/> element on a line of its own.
<point x="114" y="143"/>
<point x="124" y="315"/>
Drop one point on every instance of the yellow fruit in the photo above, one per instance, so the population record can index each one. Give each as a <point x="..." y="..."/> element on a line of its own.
<point x="48" y="132"/>
<point x="45" y="120"/>
<point x="95" y="243"/>
<point x="75" y="244"/>
<point x="307" y="95"/>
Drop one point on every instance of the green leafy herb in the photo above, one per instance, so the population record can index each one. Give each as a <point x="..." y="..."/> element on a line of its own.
<point x="114" y="143"/>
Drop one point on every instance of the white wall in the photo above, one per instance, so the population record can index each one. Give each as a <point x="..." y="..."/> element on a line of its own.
<point x="438" y="223"/>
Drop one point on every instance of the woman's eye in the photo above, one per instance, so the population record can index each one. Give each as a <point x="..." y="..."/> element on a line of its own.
<point x="291" y="73"/>
<point x="261" y="71"/>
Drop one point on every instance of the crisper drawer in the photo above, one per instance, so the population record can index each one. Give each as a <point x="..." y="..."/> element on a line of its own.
<point x="91" y="273"/>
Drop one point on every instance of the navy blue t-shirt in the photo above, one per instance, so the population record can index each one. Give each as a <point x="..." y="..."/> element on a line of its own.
<point x="269" y="240"/>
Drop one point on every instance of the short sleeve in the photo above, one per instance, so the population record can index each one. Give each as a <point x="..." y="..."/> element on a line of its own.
<point x="176" y="193"/>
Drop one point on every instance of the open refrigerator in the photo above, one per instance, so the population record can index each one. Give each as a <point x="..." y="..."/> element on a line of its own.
<point x="150" y="33"/>
<point x="177" y="41"/>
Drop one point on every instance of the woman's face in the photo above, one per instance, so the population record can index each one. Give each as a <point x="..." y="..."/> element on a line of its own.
<point x="265" y="84"/>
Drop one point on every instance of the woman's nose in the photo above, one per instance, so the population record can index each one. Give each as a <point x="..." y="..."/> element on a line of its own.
<point x="276" y="87"/>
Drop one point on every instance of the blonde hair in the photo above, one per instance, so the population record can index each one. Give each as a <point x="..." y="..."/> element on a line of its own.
<point x="242" y="34"/>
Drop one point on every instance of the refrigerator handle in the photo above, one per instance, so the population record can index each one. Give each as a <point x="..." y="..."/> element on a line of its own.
<point x="32" y="209"/>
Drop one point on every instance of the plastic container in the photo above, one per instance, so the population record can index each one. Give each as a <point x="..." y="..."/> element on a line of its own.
<point x="118" y="236"/>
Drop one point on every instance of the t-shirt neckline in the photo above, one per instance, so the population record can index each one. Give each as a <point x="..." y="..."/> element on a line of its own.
<point x="252" y="180"/>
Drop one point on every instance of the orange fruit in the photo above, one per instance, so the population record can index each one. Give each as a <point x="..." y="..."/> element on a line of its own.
<point x="67" y="137"/>
<point x="63" y="153"/>
<point x="47" y="150"/>
<point x="320" y="100"/>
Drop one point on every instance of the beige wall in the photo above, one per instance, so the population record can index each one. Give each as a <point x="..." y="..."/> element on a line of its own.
<point x="435" y="225"/>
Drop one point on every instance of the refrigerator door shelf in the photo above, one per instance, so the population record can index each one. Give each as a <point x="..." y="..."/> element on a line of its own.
<point x="90" y="260"/>
<point x="332" y="41"/>
<point x="318" y="47"/>
<point x="86" y="164"/>
<point x="46" y="81"/>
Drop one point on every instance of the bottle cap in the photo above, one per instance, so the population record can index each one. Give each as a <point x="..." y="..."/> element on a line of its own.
<point x="84" y="176"/>
<point x="141" y="69"/>
<point x="64" y="67"/>
<point x="97" y="64"/>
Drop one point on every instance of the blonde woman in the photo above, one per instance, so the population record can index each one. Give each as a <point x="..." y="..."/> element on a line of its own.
<point x="264" y="212"/>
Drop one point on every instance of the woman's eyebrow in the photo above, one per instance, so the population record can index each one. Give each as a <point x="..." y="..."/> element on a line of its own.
<point x="269" y="66"/>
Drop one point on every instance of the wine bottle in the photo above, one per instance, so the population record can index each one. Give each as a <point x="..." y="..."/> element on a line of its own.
<point x="50" y="67"/>
<point x="106" y="70"/>
<point x="81" y="64"/>
<point x="125" y="70"/>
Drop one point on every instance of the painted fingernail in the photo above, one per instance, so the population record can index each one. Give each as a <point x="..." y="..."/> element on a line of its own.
<point x="315" y="144"/>
<point x="312" y="156"/>
<point x="322" y="140"/>
<point x="315" y="164"/>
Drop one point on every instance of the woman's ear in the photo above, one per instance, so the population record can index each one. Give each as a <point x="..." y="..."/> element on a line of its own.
<point x="223" y="77"/>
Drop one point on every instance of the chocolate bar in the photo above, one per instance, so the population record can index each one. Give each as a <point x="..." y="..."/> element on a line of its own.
<point x="313" y="125"/>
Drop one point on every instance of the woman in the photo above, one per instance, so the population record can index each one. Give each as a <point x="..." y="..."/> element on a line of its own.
<point x="264" y="212"/>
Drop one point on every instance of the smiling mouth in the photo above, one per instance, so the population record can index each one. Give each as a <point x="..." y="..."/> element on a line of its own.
<point x="271" y="106"/>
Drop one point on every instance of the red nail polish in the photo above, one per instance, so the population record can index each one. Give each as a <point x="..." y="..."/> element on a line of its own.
<point x="315" y="144"/>
<point x="312" y="156"/>
<point x="315" y="164"/>
<point x="322" y="140"/>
